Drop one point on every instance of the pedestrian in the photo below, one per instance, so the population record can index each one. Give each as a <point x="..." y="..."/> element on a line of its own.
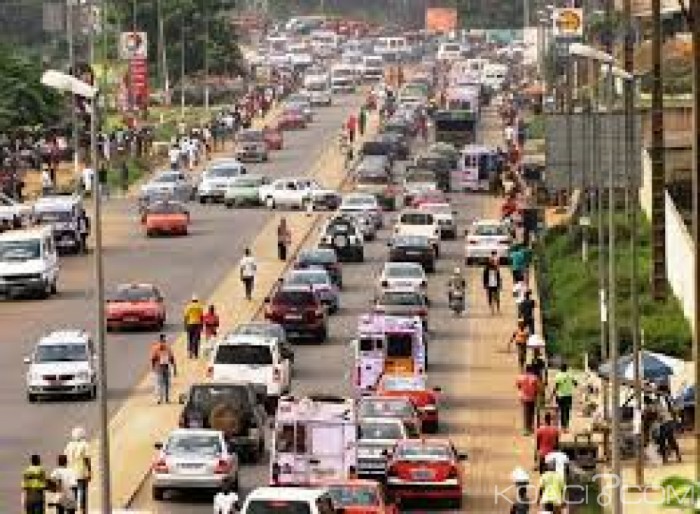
<point x="64" y="483"/>
<point x="211" y="328"/>
<point x="226" y="500"/>
<point x="163" y="367"/>
<point x="518" y="263"/>
<point x="47" y="184"/>
<point x="192" y="318"/>
<point x="78" y="453"/>
<point x="666" y="437"/>
<point x="248" y="268"/>
<point x="492" y="282"/>
<point x="34" y="485"/>
<point x="124" y="177"/>
<point x="564" y="387"/>
<point x="174" y="155"/>
<point x="520" y="337"/>
<point x="528" y="388"/>
<point x="102" y="178"/>
<point x="362" y="121"/>
<point x="351" y="126"/>
<point x="84" y="230"/>
<point x="284" y="239"/>
<point x="546" y="440"/>
<point x="551" y="490"/>
<point x="88" y="179"/>
<point x="527" y="311"/>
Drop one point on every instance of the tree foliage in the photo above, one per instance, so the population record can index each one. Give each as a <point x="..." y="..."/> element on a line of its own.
<point x="24" y="101"/>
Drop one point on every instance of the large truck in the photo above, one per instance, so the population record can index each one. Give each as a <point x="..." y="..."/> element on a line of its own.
<point x="456" y="122"/>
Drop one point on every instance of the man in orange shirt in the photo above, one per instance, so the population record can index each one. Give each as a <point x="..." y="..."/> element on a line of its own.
<point x="528" y="387"/>
<point x="547" y="440"/>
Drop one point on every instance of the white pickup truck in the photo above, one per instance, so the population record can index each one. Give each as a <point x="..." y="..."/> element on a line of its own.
<point x="299" y="193"/>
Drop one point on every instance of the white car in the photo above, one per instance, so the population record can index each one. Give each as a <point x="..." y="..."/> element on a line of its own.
<point x="171" y="185"/>
<point x="62" y="364"/>
<point x="297" y="192"/>
<point x="486" y="237"/>
<point x="261" y="361"/>
<point x="445" y="218"/>
<point x="289" y="500"/>
<point x="403" y="275"/>
<point x="14" y="212"/>
<point x="363" y="203"/>
<point x="319" y="92"/>
<point x="420" y="223"/>
<point x="193" y="459"/>
<point x="217" y="178"/>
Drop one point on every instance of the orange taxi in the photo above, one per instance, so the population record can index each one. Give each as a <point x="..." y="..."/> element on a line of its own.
<point x="165" y="217"/>
<point x="415" y="388"/>
<point x="360" y="497"/>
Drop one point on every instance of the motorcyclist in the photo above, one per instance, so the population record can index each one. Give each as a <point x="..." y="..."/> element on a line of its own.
<point x="457" y="282"/>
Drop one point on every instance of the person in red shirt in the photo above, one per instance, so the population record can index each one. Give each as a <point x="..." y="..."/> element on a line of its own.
<point x="547" y="440"/>
<point x="210" y="322"/>
<point x="351" y="126"/>
<point x="528" y="387"/>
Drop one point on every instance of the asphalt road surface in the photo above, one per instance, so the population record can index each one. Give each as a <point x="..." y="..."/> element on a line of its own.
<point x="326" y="368"/>
<point x="180" y="267"/>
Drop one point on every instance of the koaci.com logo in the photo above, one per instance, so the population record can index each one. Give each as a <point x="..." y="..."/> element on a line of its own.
<point x="652" y="495"/>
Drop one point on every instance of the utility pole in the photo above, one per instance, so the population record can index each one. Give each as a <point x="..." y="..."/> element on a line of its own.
<point x="205" y="11"/>
<point x="72" y="64"/>
<point x="162" y="53"/>
<point x="182" y="65"/>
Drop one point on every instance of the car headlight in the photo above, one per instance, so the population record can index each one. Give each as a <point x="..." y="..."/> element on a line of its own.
<point x="33" y="376"/>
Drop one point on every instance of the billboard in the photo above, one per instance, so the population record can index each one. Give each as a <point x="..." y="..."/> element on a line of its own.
<point x="440" y="19"/>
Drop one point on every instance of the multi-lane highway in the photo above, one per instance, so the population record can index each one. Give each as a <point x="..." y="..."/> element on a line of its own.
<point x="180" y="267"/>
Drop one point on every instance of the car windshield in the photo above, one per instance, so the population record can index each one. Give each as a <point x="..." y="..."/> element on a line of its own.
<point x="317" y="257"/>
<point x="490" y="230"/>
<point x="420" y="176"/>
<point x="382" y="408"/>
<point x="417" y="218"/>
<point x="353" y="201"/>
<point x="278" y="507"/>
<point x="224" y="172"/>
<point x="437" y="208"/>
<point x="342" y="72"/>
<point x="311" y="277"/>
<point x="373" y="179"/>
<point x="414" y="241"/>
<point x="134" y="294"/>
<point x="166" y="178"/>
<point x="248" y="182"/>
<point x="424" y="452"/>
<point x="166" y="208"/>
<point x="54" y="216"/>
<point x="12" y="251"/>
<point x="451" y="48"/>
<point x="354" y="496"/>
<point x="296" y="298"/>
<point x="69" y="352"/>
<point x="404" y="272"/>
<point x="390" y="383"/>
<point x="200" y="445"/>
<point x="255" y="354"/>
<point x="251" y="136"/>
<point x="317" y="86"/>
<point x="400" y="298"/>
<point x="377" y="430"/>
<point x="207" y="396"/>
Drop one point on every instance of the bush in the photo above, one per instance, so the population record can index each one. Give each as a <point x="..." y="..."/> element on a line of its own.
<point x="569" y="296"/>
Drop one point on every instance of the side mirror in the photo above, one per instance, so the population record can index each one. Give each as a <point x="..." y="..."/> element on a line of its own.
<point x="27" y="360"/>
<point x="462" y="456"/>
<point x="437" y="389"/>
<point x="182" y="399"/>
<point x="340" y="510"/>
<point x="158" y="446"/>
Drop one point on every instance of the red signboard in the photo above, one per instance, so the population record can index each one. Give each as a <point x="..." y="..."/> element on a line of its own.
<point x="138" y="82"/>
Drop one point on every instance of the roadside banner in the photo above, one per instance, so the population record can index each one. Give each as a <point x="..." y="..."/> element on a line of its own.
<point x="567" y="24"/>
<point x="440" y="19"/>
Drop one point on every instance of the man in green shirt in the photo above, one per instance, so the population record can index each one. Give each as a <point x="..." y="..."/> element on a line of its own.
<point x="564" y="387"/>
<point x="552" y="488"/>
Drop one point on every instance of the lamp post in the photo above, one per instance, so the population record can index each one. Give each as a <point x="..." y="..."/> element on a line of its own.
<point x="70" y="84"/>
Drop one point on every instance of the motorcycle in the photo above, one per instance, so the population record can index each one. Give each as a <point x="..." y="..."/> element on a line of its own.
<point x="456" y="301"/>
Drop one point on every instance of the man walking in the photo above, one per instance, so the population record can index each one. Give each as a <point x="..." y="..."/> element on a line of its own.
<point x="194" y="312"/>
<point x="248" y="268"/>
<point x="34" y="483"/>
<point x="362" y="121"/>
<point x="547" y="440"/>
<point x="352" y="127"/>
<point x="284" y="239"/>
<point x="65" y="482"/>
<point x="528" y="387"/>
<point x="491" y="278"/>
<point x="163" y="365"/>
<point x="77" y="452"/>
<point x="527" y="311"/>
<point x="564" y="386"/>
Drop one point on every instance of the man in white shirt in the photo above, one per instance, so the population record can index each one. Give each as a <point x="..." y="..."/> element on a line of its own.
<point x="226" y="500"/>
<point x="65" y="483"/>
<point x="78" y="454"/>
<point x="88" y="176"/>
<point x="46" y="182"/>
<point x="248" y="268"/>
<point x="509" y="133"/>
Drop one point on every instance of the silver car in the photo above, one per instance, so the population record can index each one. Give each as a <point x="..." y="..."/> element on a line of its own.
<point x="377" y="437"/>
<point x="167" y="185"/>
<point x="193" y="458"/>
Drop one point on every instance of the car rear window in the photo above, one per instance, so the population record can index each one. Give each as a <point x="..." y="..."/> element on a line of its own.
<point x="417" y="218"/>
<point x="399" y="345"/>
<point x="317" y="257"/>
<point x="243" y="354"/>
<point x="278" y="507"/>
<point x="490" y="230"/>
<point x="295" y="298"/>
<point x="400" y="298"/>
<point x="208" y="396"/>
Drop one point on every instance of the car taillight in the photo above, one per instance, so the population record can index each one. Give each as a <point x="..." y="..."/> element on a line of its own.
<point x="210" y="371"/>
<point x="472" y="242"/>
<point x="222" y="467"/>
<point x="422" y="312"/>
<point x="392" y="471"/>
<point x="276" y="374"/>
<point x="453" y="473"/>
<point x="160" y="466"/>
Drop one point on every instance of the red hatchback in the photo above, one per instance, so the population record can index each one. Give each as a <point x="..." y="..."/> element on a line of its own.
<point x="135" y="306"/>
<point x="299" y="310"/>
<point x="291" y="119"/>
<point x="426" y="469"/>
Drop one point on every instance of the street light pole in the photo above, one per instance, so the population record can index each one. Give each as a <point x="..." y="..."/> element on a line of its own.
<point x="205" y="11"/>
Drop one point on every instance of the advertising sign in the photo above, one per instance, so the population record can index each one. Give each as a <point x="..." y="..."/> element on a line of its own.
<point x="440" y="19"/>
<point x="568" y="23"/>
<point x="138" y="75"/>
<point x="133" y="45"/>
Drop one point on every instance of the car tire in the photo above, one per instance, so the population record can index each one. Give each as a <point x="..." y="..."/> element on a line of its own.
<point x="54" y="287"/>
<point x="360" y="257"/>
<point x="32" y="398"/>
<point x="202" y="200"/>
<point x="455" y="503"/>
<point x="270" y="202"/>
<point x="430" y="427"/>
<point x="323" y="335"/>
<point x="468" y="261"/>
<point x="230" y="204"/>
<point x="430" y="267"/>
<point x="92" y="393"/>
<point x="157" y="493"/>
<point x="236" y="484"/>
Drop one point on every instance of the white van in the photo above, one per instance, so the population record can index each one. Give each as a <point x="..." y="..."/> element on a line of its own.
<point x="28" y="262"/>
<point x="391" y="49"/>
<point x="289" y="500"/>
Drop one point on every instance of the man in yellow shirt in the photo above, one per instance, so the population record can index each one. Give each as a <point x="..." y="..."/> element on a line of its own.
<point x="552" y="490"/>
<point x="193" y="318"/>
<point x="77" y="452"/>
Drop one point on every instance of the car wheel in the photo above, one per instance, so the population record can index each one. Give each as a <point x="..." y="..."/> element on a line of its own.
<point x="230" y="204"/>
<point x="202" y="200"/>
<point x="270" y="202"/>
<point x="468" y="261"/>
<point x="430" y="267"/>
<point x="360" y="255"/>
<point x="236" y="484"/>
<point x="158" y="493"/>
<point x="32" y="398"/>
<point x="92" y="393"/>
<point x="54" y="287"/>
<point x="323" y="335"/>
<point x="455" y="503"/>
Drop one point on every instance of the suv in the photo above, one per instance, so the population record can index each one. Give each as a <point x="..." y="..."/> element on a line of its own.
<point x="63" y="363"/>
<point x="262" y="361"/>
<point x="62" y="214"/>
<point x="251" y="145"/>
<point x="299" y="310"/>
<point x="231" y="407"/>
<point x="342" y="234"/>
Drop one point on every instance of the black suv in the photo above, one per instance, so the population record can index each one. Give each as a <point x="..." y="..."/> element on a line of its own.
<point x="234" y="408"/>
<point x="342" y="234"/>
<point x="324" y="258"/>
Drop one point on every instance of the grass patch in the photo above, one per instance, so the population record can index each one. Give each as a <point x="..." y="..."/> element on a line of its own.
<point x="569" y="296"/>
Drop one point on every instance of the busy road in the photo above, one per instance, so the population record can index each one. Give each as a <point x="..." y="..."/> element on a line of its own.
<point x="216" y="242"/>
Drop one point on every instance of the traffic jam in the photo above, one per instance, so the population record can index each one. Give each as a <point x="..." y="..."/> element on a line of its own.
<point x="403" y="227"/>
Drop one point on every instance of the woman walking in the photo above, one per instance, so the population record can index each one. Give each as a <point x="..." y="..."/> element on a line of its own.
<point x="284" y="239"/>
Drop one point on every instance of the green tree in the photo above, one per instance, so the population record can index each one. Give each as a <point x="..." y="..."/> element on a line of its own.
<point x="24" y="101"/>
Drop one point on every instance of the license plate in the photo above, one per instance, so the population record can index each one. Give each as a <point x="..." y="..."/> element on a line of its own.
<point x="131" y="319"/>
<point x="293" y="317"/>
<point x="190" y="468"/>
<point x="423" y="474"/>
<point x="412" y="252"/>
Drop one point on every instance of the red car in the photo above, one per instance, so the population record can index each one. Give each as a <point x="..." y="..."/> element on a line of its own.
<point x="428" y="196"/>
<point x="360" y="497"/>
<point x="299" y="310"/>
<point x="414" y="388"/>
<point x="291" y="119"/>
<point x="273" y="138"/>
<point x="135" y="306"/>
<point x="426" y="469"/>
